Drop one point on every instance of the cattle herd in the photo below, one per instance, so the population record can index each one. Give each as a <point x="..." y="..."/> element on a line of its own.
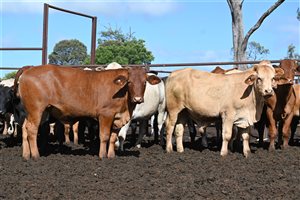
<point x="115" y="98"/>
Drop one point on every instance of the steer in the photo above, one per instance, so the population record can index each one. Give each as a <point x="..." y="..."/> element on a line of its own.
<point x="279" y="107"/>
<point x="237" y="99"/>
<point x="69" y="94"/>
<point x="154" y="101"/>
<point x="296" y="113"/>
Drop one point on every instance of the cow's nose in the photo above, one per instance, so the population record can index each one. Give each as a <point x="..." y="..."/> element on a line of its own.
<point x="138" y="99"/>
<point x="268" y="91"/>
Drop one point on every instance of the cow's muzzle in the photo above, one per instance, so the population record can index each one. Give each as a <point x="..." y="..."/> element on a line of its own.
<point x="268" y="93"/>
<point x="138" y="99"/>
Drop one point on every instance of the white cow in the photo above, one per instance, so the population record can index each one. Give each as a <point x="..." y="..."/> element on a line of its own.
<point x="237" y="99"/>
<point x="8" y="82"/>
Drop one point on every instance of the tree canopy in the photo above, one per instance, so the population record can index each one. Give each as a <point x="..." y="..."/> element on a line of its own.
<point x="68" y="52"/>
<point x="291" y="54"/>
<point x="115" y="46"/>
<point x="256" y="51"/>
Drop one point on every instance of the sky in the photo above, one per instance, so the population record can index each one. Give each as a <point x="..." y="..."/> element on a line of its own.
<point x="175" y="31"/>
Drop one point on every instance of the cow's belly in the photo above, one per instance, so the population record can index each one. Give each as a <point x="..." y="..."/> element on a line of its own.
<point x="145" y="110"/>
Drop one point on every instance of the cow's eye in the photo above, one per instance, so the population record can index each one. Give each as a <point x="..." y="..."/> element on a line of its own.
<point x="259" y="79"/>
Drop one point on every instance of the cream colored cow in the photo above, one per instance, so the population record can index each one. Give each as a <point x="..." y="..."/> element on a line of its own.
<point x="237" y="99"/>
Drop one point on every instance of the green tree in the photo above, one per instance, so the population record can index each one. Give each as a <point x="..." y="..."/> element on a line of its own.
<point x="298" y="14"/>
<point x="9" y="75"/>
<point x="68" y="52"/>
<point x="291" y="54"/>
<point x="256" y="51"/>
<point x="115" y="46"/>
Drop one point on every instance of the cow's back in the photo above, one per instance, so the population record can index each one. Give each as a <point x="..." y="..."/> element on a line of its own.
<point x="207" y="93"/>
<point x="71" y="91"/>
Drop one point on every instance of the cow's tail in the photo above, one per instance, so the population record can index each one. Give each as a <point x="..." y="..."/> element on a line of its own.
<point x="17" y="77"/>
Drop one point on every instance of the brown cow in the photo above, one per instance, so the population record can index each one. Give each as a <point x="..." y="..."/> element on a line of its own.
<point x="296" y="112"/>
<point x="219" y="70"/>
<point x="280" y="106"/>
<point x="69" y="93"/>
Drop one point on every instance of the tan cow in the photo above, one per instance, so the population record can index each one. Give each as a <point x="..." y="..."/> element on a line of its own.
<point x="234" y="98"/>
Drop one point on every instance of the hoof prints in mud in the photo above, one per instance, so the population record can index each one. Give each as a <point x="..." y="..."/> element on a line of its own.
<point x="149" y="173"/>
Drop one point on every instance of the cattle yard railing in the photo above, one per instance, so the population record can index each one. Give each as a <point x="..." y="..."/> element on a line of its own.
<point x="165" y="65"/>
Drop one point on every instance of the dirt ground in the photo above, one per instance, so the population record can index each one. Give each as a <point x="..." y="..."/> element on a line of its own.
<point x="75" y="172"/>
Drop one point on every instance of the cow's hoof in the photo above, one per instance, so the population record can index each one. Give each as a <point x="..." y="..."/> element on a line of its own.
<point x="224" y="153"/>
<point x="247" y="154"/>
<point x="180" y="149"/>
<point x="169" y="149"/>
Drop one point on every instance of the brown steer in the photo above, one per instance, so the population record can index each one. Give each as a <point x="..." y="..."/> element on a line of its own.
<point x="69" y="93"/>
<point x="280" y="106"/>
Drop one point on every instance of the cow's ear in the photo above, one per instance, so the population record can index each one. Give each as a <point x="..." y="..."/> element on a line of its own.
<point x="279" y="72"/>
<point x="251" y="79"/>
<point x="153" y="80"/>
<point x="120" y="80"/>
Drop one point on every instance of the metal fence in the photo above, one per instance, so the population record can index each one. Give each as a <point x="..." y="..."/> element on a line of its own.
<point x="44" y="47"/>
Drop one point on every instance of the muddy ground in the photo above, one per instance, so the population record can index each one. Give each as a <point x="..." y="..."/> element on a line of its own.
<point x="75" y="172"/>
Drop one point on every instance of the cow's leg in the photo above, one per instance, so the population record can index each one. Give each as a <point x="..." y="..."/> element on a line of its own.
<point x="67" y="133"/>
<point x="30" y="129"/>
<point x="272" y="129"/>
<point x="227" y="124"/>
<point x="75" y="132"/>
<point x="11" y="129"/>
<point x="51" y="126"/>
<point x="179" y="131"/>
<point x="15" y="129"/>
<point x="170" y="125"/>
<point x="119" y="144"/>
<point x="294" y="125"/>
<point x="25" y="142"/>
<point x="192" y="130"/>
<point x="112" y="141"/>
<point x="218" y="125"/>
<point x="260" y="126"/>
<point x="5" y="128"/>
<point x="104" y="134"/>
<point x="202" y="131"/>
<point x="143" y="129"/>
<point x="286" y="130"/>
<point x="160" y="123"/>
<point x="244" y="132"/>
<point x="133" y="125"/>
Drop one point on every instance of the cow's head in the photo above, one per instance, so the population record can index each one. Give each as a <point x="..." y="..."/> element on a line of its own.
<point x="264" y="78"/>
<point x="136" y="82"/>
<point x="6" y="97"/>
<point x="289" y="67"/>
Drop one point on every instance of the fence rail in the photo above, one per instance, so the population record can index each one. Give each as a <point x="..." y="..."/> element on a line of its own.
<point x="165" y="65"/>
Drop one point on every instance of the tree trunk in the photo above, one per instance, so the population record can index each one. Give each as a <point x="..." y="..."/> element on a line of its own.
<point x="239" y="40"/>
